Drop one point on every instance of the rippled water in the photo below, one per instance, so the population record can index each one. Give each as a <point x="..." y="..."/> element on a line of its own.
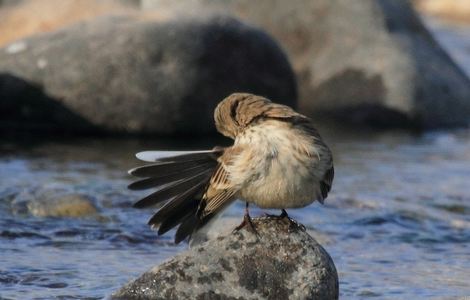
<point x="397" y="223"/>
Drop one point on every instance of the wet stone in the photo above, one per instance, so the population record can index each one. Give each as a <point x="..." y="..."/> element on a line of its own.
<point x="53" y="203"/>
<point x="282" y="262"/>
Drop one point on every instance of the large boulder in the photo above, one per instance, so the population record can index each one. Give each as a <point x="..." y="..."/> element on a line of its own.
<point x="19" y="19"/>
<point x="451" y="10"/>
<point x="369" y="61"/>
<point x="135" y="74"/>
<point x="281" y="262"/>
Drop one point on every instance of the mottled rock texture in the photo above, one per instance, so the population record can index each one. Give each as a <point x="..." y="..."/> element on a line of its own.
<point x="138" y="75"/>
<point x="369" y="62"/>
<point x="281" y="262"/>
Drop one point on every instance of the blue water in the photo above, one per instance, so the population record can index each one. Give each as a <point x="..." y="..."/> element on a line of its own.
<point x="397" y="223"/>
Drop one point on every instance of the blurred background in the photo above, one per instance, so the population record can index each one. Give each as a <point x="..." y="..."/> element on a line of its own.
<point x="86" y="84"/>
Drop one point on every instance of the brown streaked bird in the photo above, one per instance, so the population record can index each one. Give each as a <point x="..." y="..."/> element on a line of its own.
<point x="278" y="160"/>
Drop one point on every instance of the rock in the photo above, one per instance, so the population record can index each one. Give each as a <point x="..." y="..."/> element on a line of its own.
<point x="138" y="75"/>
<point x="282" y="262"/>
<point x="368" y="62"/>
<point x="451" y="10"/>
<point x="44" y="202"/>
<point x="19" y="19"/>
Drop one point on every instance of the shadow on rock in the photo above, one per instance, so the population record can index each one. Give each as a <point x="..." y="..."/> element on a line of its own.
<point x="25" y="106"/>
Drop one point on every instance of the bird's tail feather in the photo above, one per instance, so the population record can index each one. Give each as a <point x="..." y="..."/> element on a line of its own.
<point x="180" y="182"/>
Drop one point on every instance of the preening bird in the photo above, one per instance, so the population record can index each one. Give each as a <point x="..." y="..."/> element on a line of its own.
<point x="278" y="160"/>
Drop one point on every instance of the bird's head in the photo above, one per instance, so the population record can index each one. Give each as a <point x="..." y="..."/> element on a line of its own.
<point x="233" y="114"/>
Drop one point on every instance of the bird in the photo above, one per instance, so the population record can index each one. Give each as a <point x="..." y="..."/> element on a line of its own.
<point x="278" y="160"/>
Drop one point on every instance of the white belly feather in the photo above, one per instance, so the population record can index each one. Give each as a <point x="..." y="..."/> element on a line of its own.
<point x="285" y="166"/>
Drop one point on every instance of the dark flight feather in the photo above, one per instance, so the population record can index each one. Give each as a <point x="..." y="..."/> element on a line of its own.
<point x="163" y="168"/>
<point x="326" y="183"/>
<point x="187" y="227"/>
<point x="181" y="182"/>
<point x="178" y="215"/>
<point x="177" y="203"/>
<point x="173" y="190"/>
<point x="165" y="178"/>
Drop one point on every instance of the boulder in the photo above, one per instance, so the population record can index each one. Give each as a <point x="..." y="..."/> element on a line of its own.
<point x="368" y="62"/>
<point x="457" y="11"/>
<point x="138" y="75"/>
<point x="19" y="19"/>
<point x="280" y="262"/>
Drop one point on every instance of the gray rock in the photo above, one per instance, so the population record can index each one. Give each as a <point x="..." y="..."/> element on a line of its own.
<point x="282" y="262"/>
<point x="132" y="74"/>
<point x="49" y="202"/>
<point x="8" y="2"/>
<point x="369" y="61"/>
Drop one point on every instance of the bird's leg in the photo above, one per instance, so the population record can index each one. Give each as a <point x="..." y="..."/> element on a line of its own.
<point x="246" y="221"/>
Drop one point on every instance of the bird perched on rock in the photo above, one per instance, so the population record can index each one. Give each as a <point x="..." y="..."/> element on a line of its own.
<point x="278" y="160"/>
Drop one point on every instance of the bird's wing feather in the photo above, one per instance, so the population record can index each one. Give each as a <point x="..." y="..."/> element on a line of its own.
<point x="221" y="189"/>
<point x="173" y="189"/>
<point x="152" y="156"/>
<point x="178" y="163"/>
<point x="163" y="178"/>
<point x="326" y="183"/>
<point x="180" y="181"/>
<point x="220" y="192"/>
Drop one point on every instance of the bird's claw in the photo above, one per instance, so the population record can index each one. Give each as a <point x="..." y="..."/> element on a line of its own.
<point x="247" y="222"/>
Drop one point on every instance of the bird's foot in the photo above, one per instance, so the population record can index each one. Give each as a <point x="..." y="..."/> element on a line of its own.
<point x="247" y="222"/>
<point x="292" y="223"/>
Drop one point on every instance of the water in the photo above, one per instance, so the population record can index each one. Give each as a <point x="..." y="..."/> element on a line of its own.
<point x="397" y="223"/>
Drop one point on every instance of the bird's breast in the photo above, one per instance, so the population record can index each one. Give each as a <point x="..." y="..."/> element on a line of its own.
<point x="279" y="166"/>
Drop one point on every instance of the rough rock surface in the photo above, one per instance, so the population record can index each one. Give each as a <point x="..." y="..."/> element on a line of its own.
<point x="282" y="262"/>
<point x="138" y="75"/>
<point x="369" y="61"/>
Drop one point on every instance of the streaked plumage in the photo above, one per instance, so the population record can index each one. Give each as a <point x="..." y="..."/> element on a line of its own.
<point x="278" y="160"/>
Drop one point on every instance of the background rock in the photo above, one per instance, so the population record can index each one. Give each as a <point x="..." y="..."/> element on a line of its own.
<point x="283" y="262"/>
<point x="136" y="75"/>
<point x="368" y="61"/>
<point x="22" y="18"/>
<point x="47" y="202"/>
<point x="454" y="10"/>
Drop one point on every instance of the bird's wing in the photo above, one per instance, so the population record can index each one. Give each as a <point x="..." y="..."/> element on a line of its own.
<point x="194" y="185"/>
<point x="220" y="192"/>
<point x="153" y="156"/>
<point x="173" y="175"/>
<point x="326" y="183"/>
<point x="180" y="182"/>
